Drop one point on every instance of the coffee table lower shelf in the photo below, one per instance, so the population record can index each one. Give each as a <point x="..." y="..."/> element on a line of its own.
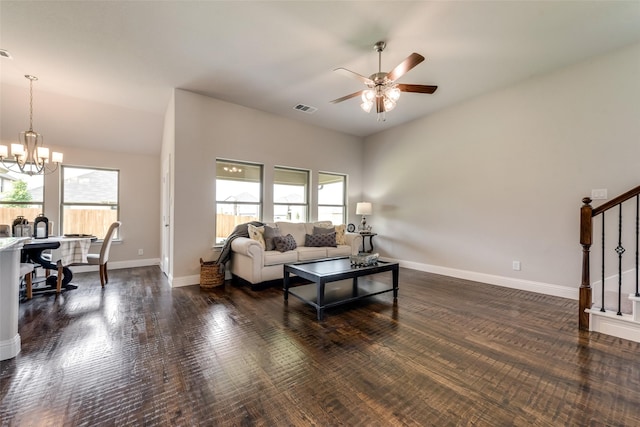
<point x="339" y="292"/>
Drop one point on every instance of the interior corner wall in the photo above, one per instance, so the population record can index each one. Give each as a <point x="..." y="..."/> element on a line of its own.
<point x="500" y="178"/>
<point x="207" y="129"/>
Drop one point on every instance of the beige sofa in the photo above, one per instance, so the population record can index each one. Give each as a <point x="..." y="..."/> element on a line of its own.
<point x="252" y="264"/>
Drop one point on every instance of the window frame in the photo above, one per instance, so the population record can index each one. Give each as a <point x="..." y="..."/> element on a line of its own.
<point x="343" y="206"/>
<point x="217" y="202"/>
<point x="39" y="204"/>
<point x="306" y="191"/>
<point x="63" y="203"/>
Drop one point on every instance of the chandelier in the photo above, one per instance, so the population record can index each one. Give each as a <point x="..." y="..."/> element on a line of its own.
<point x="30" y="155"/>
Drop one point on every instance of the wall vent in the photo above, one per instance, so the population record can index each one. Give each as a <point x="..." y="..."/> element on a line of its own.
<point x="305" y="108"/>
<point x="5" y="54"/>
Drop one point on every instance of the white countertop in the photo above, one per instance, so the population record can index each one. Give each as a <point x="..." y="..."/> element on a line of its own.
<point x="7" y="243"/>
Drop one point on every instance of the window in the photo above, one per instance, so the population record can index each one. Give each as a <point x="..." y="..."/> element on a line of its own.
<point x="290" y="195"/>
<point x="238" y="196"/>
<point x="89" y="200"/>
<point x="332" y="198"/>
<point x="20" y="195"/>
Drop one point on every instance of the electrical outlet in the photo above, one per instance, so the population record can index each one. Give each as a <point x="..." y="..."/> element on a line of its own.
<point x="140" y="252"/>
<point x="516" y="265"/>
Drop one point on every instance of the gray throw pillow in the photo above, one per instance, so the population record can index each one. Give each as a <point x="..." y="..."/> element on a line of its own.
<point x="269" y="234"/>
<point x="322" y="230"/>
<point x="286" y="243"/>
<point x="320" y="240"/>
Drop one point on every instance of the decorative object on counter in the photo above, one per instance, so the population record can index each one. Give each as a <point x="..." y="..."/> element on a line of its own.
<point x="41" y="227"/>
<point x="364" y="209"/>
<point x="5" y="230"/>
<point x="211" y="274"/>
<point x="21" y="227"/>
<point x="364" y="259"/>
<point x="31" y="157"/>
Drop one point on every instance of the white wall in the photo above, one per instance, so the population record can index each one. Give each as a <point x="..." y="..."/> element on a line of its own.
<point x="500" y="178"/>
<point x="206" y="129"/>
<point x="139" y="201"/>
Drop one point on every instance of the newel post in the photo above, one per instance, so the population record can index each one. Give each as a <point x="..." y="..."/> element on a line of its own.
<point x="586" y="232"/>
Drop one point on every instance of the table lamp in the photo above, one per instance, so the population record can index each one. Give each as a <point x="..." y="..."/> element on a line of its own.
<point x="363" y="208"/>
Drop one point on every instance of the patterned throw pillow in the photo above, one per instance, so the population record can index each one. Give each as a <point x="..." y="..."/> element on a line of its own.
<point x="269" y="234"/>
<point x="255" y="233"/>
<point x="286" y="243"/>
<point x="319" y="240"/>
<point x="341" y="239"/>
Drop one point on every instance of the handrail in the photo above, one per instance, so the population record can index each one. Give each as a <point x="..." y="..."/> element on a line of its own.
<point x="615" y="202"/>
<point x="586" y="235"/>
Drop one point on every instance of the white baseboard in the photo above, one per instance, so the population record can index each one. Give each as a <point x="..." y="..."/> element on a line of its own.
<point x="177" y="282"/>
<point x="610" y="323"/>
<point x="117" y="265"/>
<point x="507" y="282"/>
<point x="10" y="348"/>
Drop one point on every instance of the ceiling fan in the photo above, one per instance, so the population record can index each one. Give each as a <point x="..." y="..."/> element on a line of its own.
<point x="381" y="87"/>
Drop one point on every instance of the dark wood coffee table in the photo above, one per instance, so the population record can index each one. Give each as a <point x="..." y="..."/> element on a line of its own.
<point x="337" y="282"/>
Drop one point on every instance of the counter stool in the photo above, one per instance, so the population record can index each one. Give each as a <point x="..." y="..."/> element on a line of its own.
<point x="26" y="269"/>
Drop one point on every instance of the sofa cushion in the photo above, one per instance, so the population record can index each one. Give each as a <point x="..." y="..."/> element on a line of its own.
<point x="285" y="243"/>
<point x="323" y="224"/>
<point x="296" y="229"/>
<point x="319" y="240"/>
<point x="269" y="234"/>
<point x="341" y="250"/>
<point x="255" y="233"/>
<point x="307" y="254"/>
<point x="276" y="258"/>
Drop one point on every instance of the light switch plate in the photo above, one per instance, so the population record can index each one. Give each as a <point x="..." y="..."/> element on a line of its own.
<point x="599" y="194"/>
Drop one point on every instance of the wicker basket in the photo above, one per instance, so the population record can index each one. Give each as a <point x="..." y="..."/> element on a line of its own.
<point x="211" y="274"/>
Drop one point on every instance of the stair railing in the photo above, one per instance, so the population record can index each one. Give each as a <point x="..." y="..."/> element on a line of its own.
<point x="587" y="213"/>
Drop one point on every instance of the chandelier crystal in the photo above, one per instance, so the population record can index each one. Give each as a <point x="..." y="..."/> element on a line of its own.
<point x="30" y="155"/>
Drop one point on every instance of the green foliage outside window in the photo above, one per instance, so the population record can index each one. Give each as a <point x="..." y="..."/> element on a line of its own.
<point x="19" y="193"/>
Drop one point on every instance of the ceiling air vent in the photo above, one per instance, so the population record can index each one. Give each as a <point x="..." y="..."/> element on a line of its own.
<point x="5" y="54"/>
<point x="305" y="108"/>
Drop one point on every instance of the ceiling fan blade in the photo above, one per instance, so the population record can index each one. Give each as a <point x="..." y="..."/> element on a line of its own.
<point x="406" y="65"/>
<point x="344" y="98"/>
<point x="417" y="88"/>
<point x="349" y="73"/>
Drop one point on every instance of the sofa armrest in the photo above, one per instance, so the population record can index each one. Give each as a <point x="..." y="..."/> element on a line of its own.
<point x="355" y="241"/>
<point x="247" y="247"/>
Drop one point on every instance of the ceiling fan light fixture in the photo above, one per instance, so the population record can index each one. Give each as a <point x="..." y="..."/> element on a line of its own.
<point x="367" y="106"/>
<point x="393" y="93"/>
<point x="389" y="104"/>
<point x="368" y="95"/>
<point x="381" y="87"/>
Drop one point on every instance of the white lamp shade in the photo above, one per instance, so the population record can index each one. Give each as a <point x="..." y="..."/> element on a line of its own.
<point x="363" y="208"/>
<point x="4" y="151"/>
<point x="17" y="149"/>
<point x="56" y="157"/>
<point x="42" y="153"/>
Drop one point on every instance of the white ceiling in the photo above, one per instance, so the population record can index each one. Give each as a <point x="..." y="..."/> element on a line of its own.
<point x="272" y="55"/>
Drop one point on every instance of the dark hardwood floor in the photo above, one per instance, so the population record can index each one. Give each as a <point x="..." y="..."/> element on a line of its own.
<point x="450" y="352"/>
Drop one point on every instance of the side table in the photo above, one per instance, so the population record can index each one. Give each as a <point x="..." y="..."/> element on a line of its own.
<point x="364" y="241"/>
